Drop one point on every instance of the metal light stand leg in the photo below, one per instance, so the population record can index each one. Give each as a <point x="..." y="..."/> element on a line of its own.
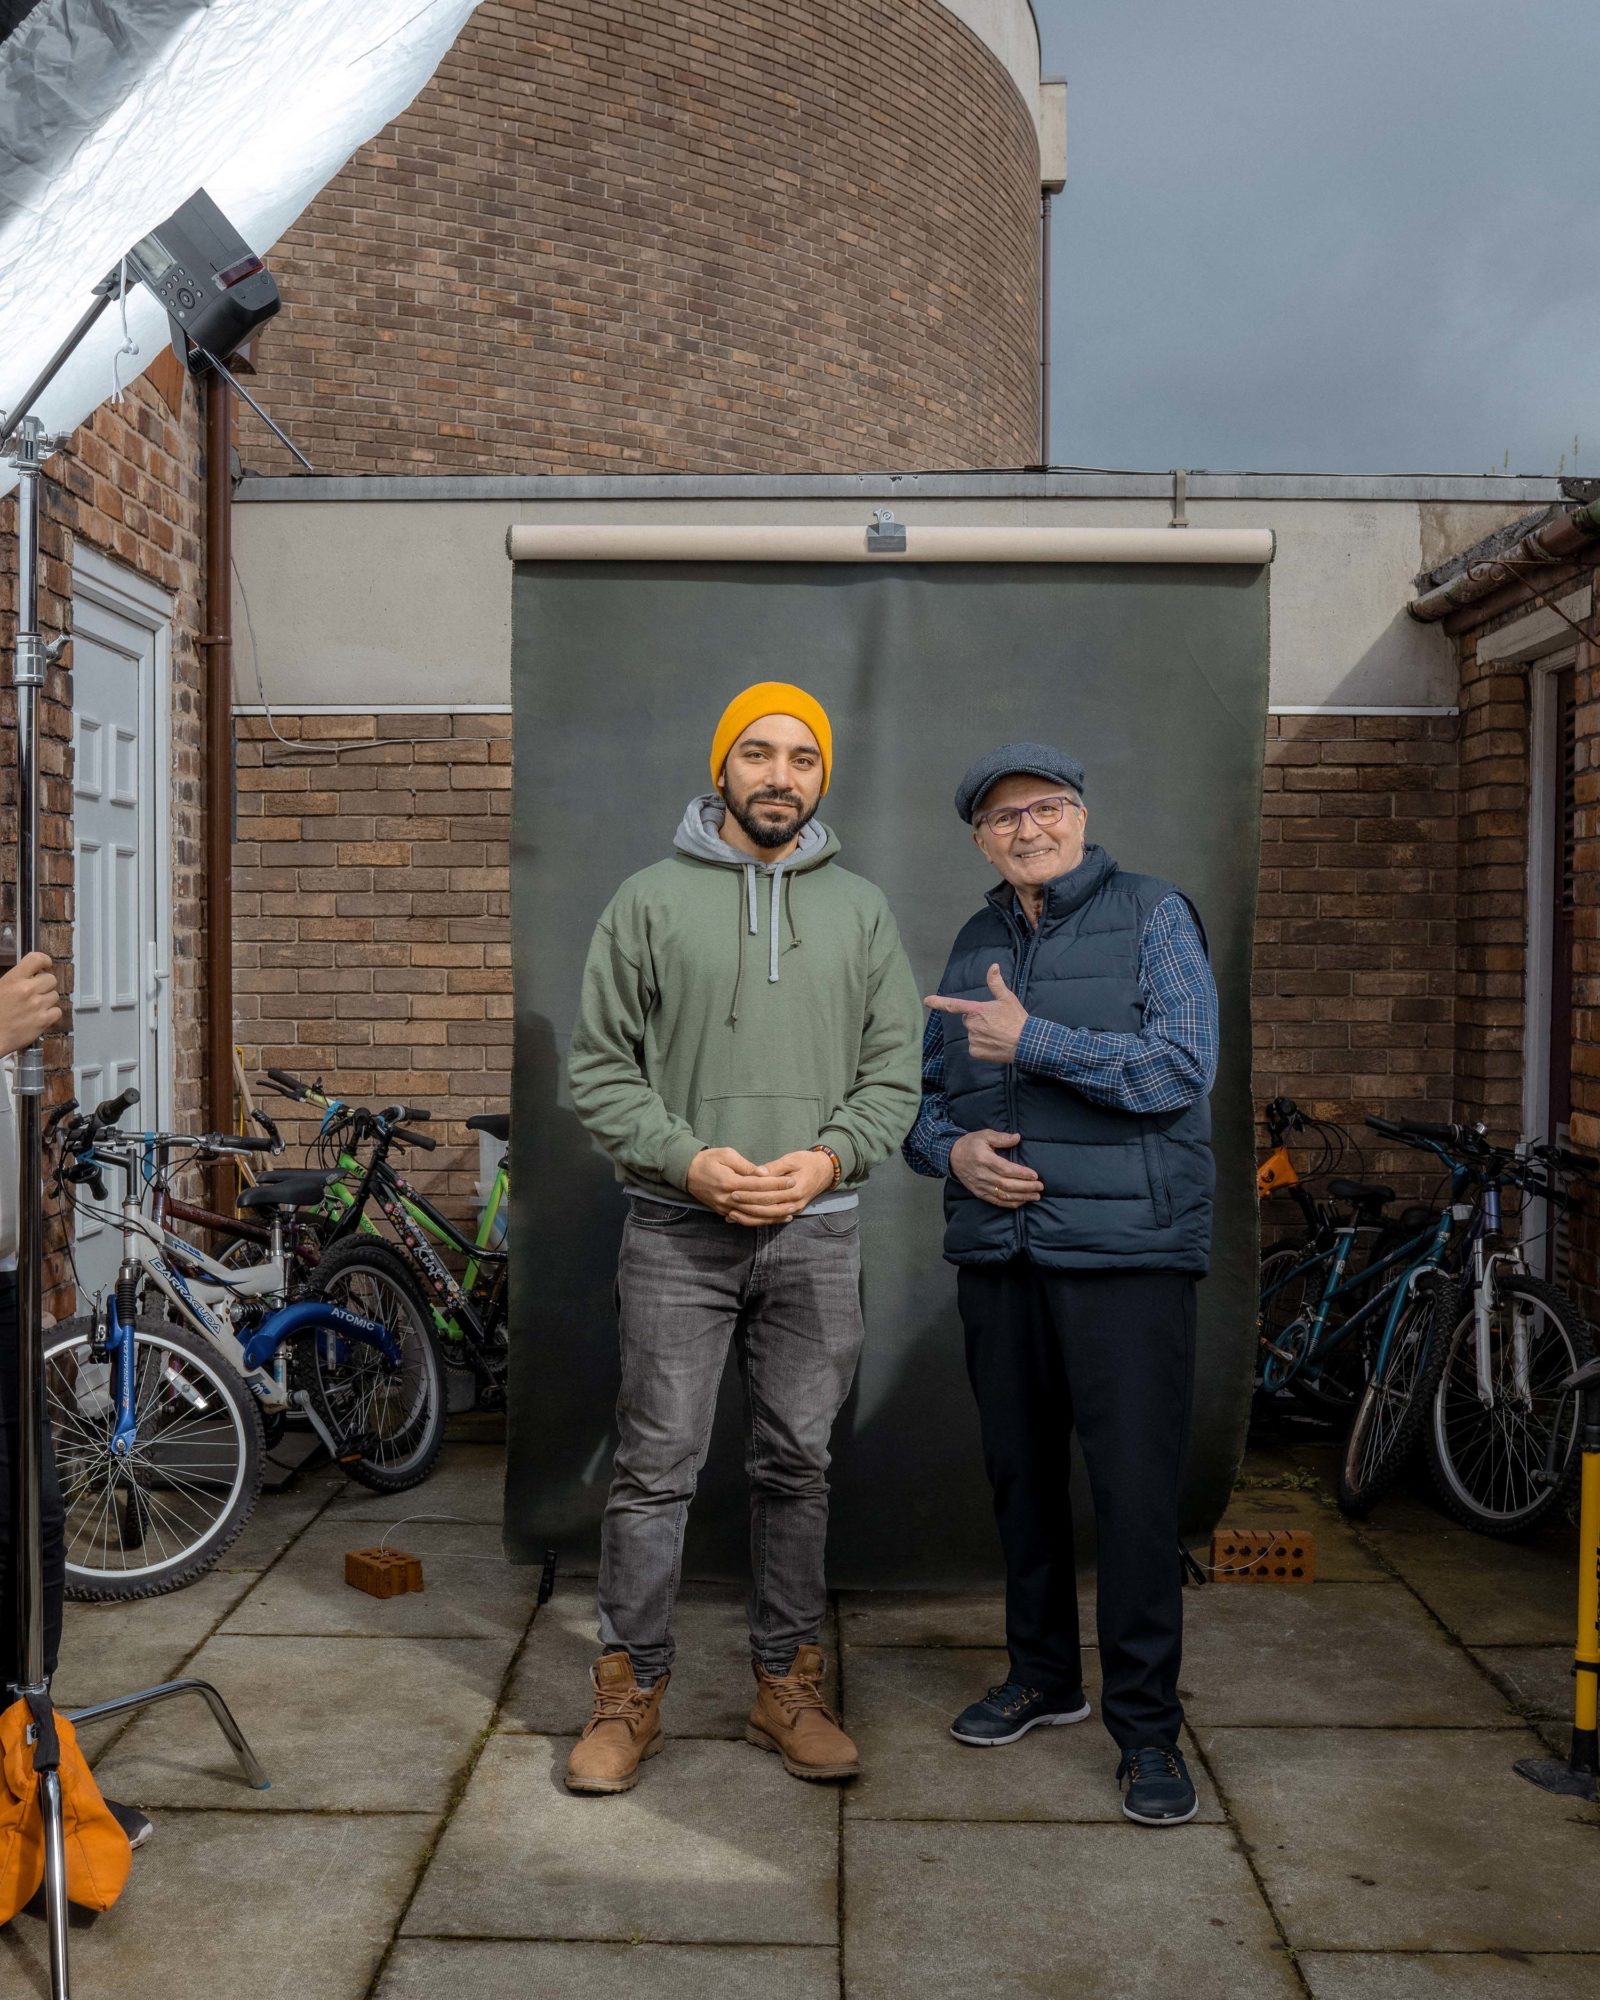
<point x="28" y="452"/>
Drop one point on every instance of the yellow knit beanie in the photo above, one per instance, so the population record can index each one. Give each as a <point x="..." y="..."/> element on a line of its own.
<point x="771" y="698"/>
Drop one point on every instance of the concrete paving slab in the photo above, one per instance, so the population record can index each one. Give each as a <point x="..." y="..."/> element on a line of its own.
<point x="712" y="1683"/>
<point x="291" y="1907"/>
<point x="1449" y="1976"/>
<point x="923" y="1617"/>
<point x="112" y="1649"/>
<point x="942" y="1618"/>
<point x="1489" y="1593"/>
<point x="1409" y="1840"/>
<point x="1341" y="1557"/>
<point x="278" y="1518"/>
<point x="1328" y="1653"/>
<point x="1055" y="1913"/>
<point x="422" y="1969"/>
<point x="359" y="1725"/>
<point x="899" y="1704"/>
<point x="470" y="1590"/>
<point x="1539" y="1677"/>
<point x="716" y="1845"/>
<point x="468" y="1481"/>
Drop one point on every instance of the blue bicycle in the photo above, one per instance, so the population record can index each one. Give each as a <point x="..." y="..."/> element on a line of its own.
<point x="1371" y="1335"/>
<point x="156" y="1395"/>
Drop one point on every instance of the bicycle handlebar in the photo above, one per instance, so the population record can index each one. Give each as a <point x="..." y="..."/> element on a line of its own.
<point x="413" y="1138"/>
<point x="112" y="1109"/>
<point x="1467" y="1138"/>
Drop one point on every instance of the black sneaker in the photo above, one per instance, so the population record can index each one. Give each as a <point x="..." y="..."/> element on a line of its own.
<point x="133" y="1822"/>
<point x="1011" y="1710"/>
<point x="1158" y="1791"/>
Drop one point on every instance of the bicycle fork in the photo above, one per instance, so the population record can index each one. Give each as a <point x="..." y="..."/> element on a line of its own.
<point x="1486" y="1266"/>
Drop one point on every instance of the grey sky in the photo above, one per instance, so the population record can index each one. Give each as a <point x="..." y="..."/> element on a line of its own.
<point x="1350" y="236"/>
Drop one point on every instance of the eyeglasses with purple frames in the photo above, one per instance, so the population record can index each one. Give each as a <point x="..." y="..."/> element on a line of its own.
<point x="1044" y="813"/>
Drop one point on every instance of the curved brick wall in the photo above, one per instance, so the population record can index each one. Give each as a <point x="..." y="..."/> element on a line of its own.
<point x="718" y="235"/>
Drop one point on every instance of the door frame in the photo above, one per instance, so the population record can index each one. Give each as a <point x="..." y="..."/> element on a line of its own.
<point x="97" y="580"/>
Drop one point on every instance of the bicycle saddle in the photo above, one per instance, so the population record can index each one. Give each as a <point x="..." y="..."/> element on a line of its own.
<point x="496" y="1123"/>
<point x="1361" y="1194"/>
<point x="286" y="1191"/>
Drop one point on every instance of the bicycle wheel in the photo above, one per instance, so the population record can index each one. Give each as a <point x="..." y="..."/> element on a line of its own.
<point x="1394" y="1403"/>
<point x="149" y="1522"/>
<point x="1282" y="1316"/>
<point x="1492" y="1465"/>
<point x="396" y="1414"/>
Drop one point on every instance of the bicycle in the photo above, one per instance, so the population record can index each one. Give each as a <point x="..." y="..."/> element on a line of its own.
<point x="469" y="1314"/>
<point x="157" y="1421"/>
<point x="1307" y="1285"/>
<point x="1503" y="1424"/>
<point x="1483" y="1385"/>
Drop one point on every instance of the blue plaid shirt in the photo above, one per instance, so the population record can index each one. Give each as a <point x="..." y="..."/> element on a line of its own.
<point x="1169" y="1063"/>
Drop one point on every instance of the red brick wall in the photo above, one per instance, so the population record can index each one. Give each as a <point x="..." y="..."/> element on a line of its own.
<point x="730" y="235"/>
<point x="130" y="484"/>
<point x="372" y="918"/>
<point x="1355" y="979"/>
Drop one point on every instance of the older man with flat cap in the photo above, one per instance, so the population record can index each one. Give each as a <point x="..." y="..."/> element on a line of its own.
<point x="1066" y="1064"/>
<point x="745" y="1051"/>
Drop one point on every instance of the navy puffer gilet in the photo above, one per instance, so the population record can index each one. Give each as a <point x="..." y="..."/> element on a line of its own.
<point x="1121" y="1191"/>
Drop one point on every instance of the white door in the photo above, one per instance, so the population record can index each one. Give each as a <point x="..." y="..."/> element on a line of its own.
<point x="120" y="641"/>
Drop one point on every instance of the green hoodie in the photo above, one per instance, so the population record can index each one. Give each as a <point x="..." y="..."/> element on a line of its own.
<point x="729" y="1002"/>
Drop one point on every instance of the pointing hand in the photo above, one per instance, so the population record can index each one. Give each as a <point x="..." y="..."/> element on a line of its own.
<point x="995" y="1026"/>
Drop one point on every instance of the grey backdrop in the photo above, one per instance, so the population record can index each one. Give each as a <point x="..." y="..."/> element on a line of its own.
<point x="1155" y="676"/>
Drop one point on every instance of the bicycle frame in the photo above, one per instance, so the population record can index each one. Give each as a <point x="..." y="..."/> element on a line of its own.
<point x="1418" y="1260"/>
<point x="414" y="1220"/>
<point x="204" y="1295"/>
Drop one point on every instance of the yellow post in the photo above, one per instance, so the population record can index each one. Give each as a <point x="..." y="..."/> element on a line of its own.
<point x="1576" y="1777"/>
<point x="1586" y="1656"/>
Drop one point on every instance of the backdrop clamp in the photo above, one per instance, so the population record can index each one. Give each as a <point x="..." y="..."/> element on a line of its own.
<point x="886" y="536"/>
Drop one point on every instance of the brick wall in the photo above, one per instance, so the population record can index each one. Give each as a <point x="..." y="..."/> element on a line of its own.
<point x="730" y="235"/>
<point x="130" y="483"/>
<point x="372" y="918"/>
<point x="1355" y="981"/>
<point x="1495" y="777"/>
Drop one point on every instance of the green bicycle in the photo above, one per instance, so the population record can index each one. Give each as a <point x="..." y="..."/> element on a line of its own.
<point x="354" y="1144"/>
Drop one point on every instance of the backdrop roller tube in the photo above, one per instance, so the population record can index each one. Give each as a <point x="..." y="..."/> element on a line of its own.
<point x="1153" y="673"/>
<point x="699" y="542"/>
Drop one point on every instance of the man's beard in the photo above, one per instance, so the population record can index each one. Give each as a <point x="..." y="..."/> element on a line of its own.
<point x="766" y="833"/>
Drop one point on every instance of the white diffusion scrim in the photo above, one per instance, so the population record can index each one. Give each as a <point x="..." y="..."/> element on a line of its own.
<point x="115" y="116"/>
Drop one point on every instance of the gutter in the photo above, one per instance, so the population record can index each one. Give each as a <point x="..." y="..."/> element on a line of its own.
<point x="1555" y="540"/>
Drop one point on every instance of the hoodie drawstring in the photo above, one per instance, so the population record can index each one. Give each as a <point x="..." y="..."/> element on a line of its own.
<point x="777" y="910"/>
<point x="782" y="904"/>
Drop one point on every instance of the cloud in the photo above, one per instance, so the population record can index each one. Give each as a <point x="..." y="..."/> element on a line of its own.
<point x="1347" y="238"/>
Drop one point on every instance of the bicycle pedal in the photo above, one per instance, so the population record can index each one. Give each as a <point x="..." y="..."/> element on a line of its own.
<point x="383" y="1572"/>
<point x="1263" y="1555"/>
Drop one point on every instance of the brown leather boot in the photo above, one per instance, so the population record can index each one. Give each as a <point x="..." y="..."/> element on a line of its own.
<point x="624" y="1729"/>
<point x="791" y="1717"/>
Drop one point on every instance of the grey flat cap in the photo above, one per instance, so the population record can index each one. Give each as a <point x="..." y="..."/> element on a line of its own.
<point x="1038" y="760"/>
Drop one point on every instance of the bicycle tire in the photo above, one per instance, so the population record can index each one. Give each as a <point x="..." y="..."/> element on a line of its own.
<point x="1456" y="1414"/>
<point x="422" y="1420"/>
<point x="1393" y="1407"/>
<point x="1279" y="1311"/>
<point x="75" y="1429"/>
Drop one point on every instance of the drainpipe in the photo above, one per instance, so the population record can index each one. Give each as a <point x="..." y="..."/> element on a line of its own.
<point x="1554" y="540"/>
<point x="218" y="644"/>
<point x="1044" y="330"/>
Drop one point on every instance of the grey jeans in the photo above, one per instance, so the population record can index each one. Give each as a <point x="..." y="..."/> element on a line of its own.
<point x="789" y="1299"/>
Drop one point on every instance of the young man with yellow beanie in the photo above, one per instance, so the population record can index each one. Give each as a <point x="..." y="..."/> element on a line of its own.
<point x="746" y="1050"/>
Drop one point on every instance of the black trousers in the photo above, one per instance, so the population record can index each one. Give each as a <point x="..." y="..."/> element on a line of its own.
<point x="1110" y="1355"/>
<point x="55" y="1554"/>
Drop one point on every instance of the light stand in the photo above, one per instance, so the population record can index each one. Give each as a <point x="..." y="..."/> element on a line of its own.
<point x="29" y="448"/>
